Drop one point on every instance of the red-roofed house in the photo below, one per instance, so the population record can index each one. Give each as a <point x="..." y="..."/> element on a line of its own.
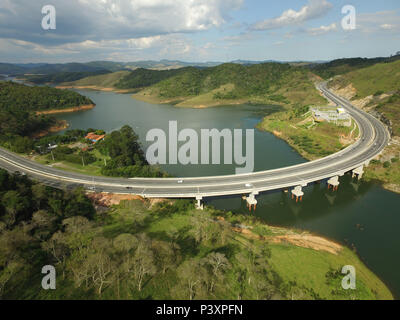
<point x="94" y="137"/>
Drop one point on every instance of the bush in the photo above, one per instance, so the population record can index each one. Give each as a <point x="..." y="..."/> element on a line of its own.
<point x="386" y="164"/>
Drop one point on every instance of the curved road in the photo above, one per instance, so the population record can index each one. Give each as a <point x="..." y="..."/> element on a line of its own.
<point x="373" y="139"/>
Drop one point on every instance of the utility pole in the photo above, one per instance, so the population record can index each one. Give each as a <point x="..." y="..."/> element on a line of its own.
<point x="83" y="161"/>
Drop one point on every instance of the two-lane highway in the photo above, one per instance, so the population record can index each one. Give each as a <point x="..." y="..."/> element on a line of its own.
<point x="373" y="139"/>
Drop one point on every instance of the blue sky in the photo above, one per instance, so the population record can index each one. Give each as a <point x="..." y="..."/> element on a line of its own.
<point x="197" y="30"/>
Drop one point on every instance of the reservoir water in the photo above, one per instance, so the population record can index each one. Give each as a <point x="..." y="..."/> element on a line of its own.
<point x="361" y="215"/>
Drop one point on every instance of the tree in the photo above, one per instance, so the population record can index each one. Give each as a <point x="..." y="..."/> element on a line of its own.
<point x="15" y="204"/>
<point x="143" y="262"/>
<point x="8" y="272"/>
<point x="191" y="275"/>
<point x="58" y="248"/>
<point x="166" y="254"/>
<point x="218" y="263"/>
<point x="39" y="191"/>
<point x="43" y="223"/>
<point x="125" y="245"/>
<point x="99" y="263"/>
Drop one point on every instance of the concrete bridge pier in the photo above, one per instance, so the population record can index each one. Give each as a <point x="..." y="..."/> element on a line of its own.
<point x="298" y="193"/>
<point x="199" y="204"/>
<point x="358" y="172"/>
<point x="252" y="201"/>
<point x="334" y="183"/>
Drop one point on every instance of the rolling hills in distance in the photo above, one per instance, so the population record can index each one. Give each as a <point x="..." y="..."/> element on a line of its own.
<point x="188" y="84"/>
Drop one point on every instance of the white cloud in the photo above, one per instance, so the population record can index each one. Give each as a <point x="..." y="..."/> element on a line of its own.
<point x="387" y="26"/>
<point x="79" y="20"/>
<point x="322" y="29"/>
<point x="378" y="22"/>
<point x="99" y="29"/>
<point x="158" y="47"/>
<point x="314" y="9"/>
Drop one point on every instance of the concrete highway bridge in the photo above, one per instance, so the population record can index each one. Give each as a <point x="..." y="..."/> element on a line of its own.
<point x="374" y="136"/>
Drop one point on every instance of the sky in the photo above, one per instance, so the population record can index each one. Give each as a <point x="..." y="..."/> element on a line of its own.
<point x="196" y="30"/>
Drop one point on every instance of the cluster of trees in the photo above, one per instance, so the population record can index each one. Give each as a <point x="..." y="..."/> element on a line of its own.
<point x="18" y="119"/>
<point x="19" y="97"/>
<point x="141" y="78"/>
<point x="41" y="226"/>
<point x="127" y="156"/>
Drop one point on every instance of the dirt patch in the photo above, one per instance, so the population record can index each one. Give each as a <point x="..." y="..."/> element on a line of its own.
<point x="277" y="133"/>
<point x="308" y="241"/>
<point x="362" y="103"/>
<point x="347" y="92"/>
<point x="304" y="240"/>
<point x="110" y="199"/>
<point x="392" y="187"/>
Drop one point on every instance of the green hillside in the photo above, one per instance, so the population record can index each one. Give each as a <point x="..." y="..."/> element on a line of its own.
<point x="343" y="66"/>
<point x="141" y="78"/>
<point x="381" y="83"/>
<point x="269" y="83"/>
<point x="59" y="77"/>
<point x="378" y="88"/>
<point x="21" y="97"/>
<point x="108" y="80"/>
<point x="374" y="80"/>
<point x="18" y="106"/>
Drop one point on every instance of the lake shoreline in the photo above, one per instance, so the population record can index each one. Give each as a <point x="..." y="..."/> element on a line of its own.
<point x="67" y="110"/>
<point x="60" y="125"/>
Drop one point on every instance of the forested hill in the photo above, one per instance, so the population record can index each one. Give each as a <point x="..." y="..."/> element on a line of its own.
<point x="343" y="66"/>
<point x="60" y="77"/>
<point x="18" y="118"/>
<point x="14" y="96"/>
<point x="140" y="78"/>
<point x="230" y="83"/>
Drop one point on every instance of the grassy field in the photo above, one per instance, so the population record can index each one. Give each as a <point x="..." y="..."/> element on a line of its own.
<point x="89" y="169"/>
<point x="311" y="139"/>
<point x="102" y="81"/>
<point x="374" y="80"/>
